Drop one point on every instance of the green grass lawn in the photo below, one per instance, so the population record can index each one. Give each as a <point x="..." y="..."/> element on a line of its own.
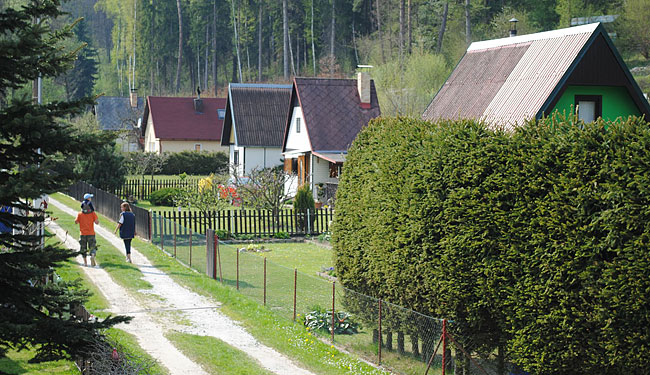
<point x="17" y="363"/>
<point x="215" y="356"/>
<point x="271" y="329"/>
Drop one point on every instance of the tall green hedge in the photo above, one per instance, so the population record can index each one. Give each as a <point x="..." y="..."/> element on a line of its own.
<point x="534" y="242"/>
<point x="195" y="163"/>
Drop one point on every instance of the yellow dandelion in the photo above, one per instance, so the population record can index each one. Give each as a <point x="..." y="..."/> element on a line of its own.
<point x="331" y="346"/>
<point x="306" y="340"/>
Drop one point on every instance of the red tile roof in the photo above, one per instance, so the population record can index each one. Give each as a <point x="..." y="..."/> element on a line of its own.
<point x="175" y="118"/>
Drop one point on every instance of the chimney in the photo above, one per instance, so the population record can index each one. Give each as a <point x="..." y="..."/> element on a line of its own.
<point x="198" y="105"/>
<point x="134" y="98"/>
<point x="513" y="27"/>
<point x="363" y="86"/>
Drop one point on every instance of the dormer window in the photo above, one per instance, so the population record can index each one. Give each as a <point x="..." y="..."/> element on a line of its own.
<point x="589" y="107"/>
<point x="221" y="113"/>
<point x="298" y="125"/>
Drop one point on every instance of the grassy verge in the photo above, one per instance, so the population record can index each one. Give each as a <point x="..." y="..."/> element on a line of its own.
<point x="283" y="335"/>
<point x="17" y="363"/>
<point x="215" y="356"/>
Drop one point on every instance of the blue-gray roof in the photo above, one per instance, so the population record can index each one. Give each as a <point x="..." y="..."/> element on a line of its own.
<point x="116" y="113"/>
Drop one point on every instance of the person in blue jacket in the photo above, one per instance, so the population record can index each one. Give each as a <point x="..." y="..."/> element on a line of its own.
<point x="126" y="226"/>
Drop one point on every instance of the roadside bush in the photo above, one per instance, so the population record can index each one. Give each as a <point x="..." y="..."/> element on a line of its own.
<point x="195" y="163"/>
<point x="164" y="196"/>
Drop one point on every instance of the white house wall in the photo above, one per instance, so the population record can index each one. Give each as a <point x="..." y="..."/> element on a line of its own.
<point x="298" y="141"/>
<point x="151" y="143"/>
<point x="257" y="157"/>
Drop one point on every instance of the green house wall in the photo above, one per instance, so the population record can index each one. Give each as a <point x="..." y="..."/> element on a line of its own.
<point x="616" y="101"/>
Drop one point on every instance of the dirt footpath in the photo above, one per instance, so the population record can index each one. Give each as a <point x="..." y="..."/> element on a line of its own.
<point x="201" y="312"/>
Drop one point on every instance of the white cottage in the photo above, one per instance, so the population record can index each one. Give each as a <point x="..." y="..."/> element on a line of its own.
<point x="254" y="123"/>
<point x="324" y="118"/>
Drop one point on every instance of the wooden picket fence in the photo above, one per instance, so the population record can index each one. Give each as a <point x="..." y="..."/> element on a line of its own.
<point x="257" y="223"/>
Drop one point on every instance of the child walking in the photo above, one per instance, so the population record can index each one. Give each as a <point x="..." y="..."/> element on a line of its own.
<point x="126" y="226"/>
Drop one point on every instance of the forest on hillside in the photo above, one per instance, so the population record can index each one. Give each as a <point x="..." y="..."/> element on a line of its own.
<point x="171" y="47"/>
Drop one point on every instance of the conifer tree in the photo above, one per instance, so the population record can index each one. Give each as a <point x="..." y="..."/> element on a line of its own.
<point x="34" y="147"/>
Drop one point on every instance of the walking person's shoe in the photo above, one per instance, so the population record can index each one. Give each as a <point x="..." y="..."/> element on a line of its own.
<point x="92" y="261"/>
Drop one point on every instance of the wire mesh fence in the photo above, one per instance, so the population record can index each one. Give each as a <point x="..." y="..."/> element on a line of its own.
<point x="400" y="339"/>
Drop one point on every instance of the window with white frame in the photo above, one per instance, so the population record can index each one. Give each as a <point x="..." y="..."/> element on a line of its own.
<point x="197" y="147"/>
<point x="298" y="125"/>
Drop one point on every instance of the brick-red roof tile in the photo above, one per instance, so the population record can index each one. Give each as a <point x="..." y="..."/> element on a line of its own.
<point x="175" y="118"/>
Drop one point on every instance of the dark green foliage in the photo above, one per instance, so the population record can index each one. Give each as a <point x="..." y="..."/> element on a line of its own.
<point x="33" y="314"/>
<point x="304" y="207"/>
<point x="304" y="199"/>
<point x="534" y="241"/>
<point x="103" y="166"/>
<point x="195" y="163"/>
<point x="164" y="197"/>
<point x="80" y="80"/>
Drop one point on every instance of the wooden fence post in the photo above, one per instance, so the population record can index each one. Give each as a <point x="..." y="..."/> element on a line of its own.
<point x="190" y="247"/>
<point x="333" y="307"/>
<point x="295" y="288"/>
<point x="264" y="281"/>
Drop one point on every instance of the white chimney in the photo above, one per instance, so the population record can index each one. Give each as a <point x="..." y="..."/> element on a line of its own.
<point x="363" y="86"/>
<point x="134" y="98"/>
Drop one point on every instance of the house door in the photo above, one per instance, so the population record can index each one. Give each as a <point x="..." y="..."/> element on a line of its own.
<point x="303" y="169"/>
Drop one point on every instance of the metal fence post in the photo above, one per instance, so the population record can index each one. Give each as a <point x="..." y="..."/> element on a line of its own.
<point x="308" y="222"/>
<point x="333" y="306"/>
<point x="190" y="247"/>
<point x="295" y="287"/>
<point x="214" y="257"/>
<point x="264" y="281"/>
<point x="237" y="268"/>
<point x="380" y="338"/>
<point x="150" y="220"/>
<point x="444" y="346"/>
<point x="216" y="241"/>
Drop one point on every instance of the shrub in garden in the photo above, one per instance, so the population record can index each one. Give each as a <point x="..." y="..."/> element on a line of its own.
<point x="164" y="196"/>
<point x="281" y="235"/>
<point x="303" y="201"/>
<point x="526" y="240"/>
<point x="321" y="320"/>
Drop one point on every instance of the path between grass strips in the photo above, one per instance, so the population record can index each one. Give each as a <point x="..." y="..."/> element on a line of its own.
<point x="200" y="311"/>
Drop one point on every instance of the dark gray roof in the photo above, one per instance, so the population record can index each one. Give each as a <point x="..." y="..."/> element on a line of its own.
<point x="332" y="111"/>
<point x="258" y="112"/>
<point x="115" y="112"/>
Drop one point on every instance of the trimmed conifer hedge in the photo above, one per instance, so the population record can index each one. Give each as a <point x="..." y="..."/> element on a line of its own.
<point x="534" y="242"/>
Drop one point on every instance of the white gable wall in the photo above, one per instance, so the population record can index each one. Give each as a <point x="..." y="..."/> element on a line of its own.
<point x="151" y="143"/>
<point x="298" y="141"/>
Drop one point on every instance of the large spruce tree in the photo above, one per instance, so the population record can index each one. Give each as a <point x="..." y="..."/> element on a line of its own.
<point x="34" y="147"/>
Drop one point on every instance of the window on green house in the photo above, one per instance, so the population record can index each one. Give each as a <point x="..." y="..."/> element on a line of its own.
<point x="589" y="107"/>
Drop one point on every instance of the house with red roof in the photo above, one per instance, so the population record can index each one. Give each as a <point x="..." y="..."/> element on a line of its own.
<point x="324" y="118"/>
<point x="183" y="124"/>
